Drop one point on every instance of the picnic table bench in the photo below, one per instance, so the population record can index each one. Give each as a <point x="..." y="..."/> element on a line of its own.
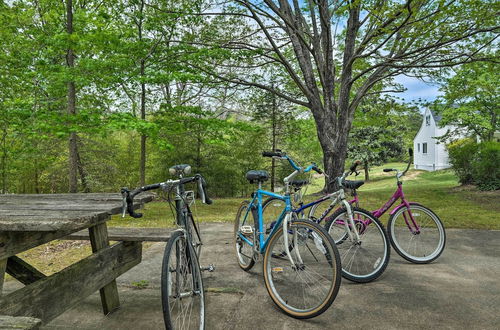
<point x="27" y="221"/>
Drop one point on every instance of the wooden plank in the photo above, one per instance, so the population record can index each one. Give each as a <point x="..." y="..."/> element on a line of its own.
<point x="19" y="322"/>
<point x="25" y="213"/>
<point x="44" y="223"/>
<point x="128" y="234"/>
<point x="12" y="242"/>
<point x="47" y="298"/>
<point x="3" y="267"/>
<point x="109" y="293"/>
<point x="23" y="271"/>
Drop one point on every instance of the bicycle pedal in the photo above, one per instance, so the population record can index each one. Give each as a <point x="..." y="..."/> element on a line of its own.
<point x="246" y="230"/>
<point x="210" y="268"/>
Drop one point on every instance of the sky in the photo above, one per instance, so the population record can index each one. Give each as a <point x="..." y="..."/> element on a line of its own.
<point x="416" y="89"/>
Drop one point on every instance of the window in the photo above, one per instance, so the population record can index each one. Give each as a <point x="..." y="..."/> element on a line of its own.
<point x="418" y="147"/>
<point x="427" y="120"/>
<point x="424" y="148"/>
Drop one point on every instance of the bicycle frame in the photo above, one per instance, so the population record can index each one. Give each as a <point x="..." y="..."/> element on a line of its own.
<point x="255" y="207"/>
<point x="337" y="197"/>
<point x="398" y="194"/>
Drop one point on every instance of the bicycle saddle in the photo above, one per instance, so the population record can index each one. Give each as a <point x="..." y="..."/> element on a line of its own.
<point x="257" y="176"/>
<point x="183" y="169"/>
<point x="299" y="183"/>
<point x="353" y="184"/>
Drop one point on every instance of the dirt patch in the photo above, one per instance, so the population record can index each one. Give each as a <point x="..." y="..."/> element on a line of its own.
<point x="490" y="199"/>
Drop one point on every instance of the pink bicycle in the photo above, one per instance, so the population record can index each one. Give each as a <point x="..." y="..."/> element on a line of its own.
<point x="415" y="232"/>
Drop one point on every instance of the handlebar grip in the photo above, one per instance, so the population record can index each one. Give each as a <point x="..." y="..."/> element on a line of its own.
<point x="317" y="169"/>
<point x="207" y="199"/>
<point x="272" y="154"/>
<point x="388" y="170"/>
<point x="353" y="166"/>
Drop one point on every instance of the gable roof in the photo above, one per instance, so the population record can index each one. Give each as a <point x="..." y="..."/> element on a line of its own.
<point x="437" y="118"/>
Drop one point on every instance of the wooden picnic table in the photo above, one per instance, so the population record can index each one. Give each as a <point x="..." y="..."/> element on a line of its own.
<point x="27" y="221"/>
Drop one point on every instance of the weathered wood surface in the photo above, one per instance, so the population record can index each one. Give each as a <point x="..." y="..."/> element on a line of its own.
<point x="22" y="271"/>
<point x="49" y="297"/>
<point x="128" y="234"/>
<point x="14" y="242"/>
<point x="60" y="212"/>
<point x="3" y="267"/>
<point x="19" y="322"/>
<point x="109" y="293"/>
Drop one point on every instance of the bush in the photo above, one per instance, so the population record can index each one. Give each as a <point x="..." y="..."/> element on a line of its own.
<point x="476" y="163"/>
<point x="461" y="154"/>
<point x="485" y="170"/>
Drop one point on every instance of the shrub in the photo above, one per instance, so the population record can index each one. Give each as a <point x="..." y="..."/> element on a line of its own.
<point x="485" y="170"/>
<point x="461" y="154"/>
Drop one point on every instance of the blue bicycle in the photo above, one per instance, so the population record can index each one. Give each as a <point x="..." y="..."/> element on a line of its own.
<point x="302" y="270"/>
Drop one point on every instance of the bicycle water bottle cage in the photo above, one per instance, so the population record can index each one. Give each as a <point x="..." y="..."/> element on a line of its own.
<point x="254" y="176"/>
<point x="181" y="169"/>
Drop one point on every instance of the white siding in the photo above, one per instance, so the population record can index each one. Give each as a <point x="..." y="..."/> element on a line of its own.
<point x="437" y="156"/>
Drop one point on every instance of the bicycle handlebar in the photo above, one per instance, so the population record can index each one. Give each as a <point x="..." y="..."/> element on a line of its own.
<point x="128" y="196"/>
<point x="282" y="155"/>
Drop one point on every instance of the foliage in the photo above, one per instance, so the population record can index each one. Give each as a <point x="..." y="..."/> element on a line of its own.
<point x="485" y="171"/>
<point x="461" y="153"/>
<point x="476" y="163"/>
<point x="471" y="99"/>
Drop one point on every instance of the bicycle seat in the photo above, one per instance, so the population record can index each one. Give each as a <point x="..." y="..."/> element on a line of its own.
<point x="353" y="184"/>
<point x="184" y="169"/>
<point x="299" y="183"/>
<point x="257" y="176"/>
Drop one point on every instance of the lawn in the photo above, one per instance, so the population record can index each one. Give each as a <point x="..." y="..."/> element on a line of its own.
<point x="458" y="207"/>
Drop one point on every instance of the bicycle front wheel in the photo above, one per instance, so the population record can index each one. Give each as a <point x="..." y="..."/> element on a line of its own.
<point x="182" y="293"/>
<point x="420" y="246"/>
<point x="309" y="286"/>
<point x="364" y="260"/>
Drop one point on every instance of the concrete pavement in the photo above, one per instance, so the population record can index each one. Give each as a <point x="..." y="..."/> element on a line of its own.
<point x="460" y="290"/>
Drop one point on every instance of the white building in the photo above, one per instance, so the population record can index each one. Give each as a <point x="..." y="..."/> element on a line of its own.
<point x="429" y="154"/>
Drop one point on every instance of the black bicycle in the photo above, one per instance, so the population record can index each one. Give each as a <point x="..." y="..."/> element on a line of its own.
<point x="182" y="292"/>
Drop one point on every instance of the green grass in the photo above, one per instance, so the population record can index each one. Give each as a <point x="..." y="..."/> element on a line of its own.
<point x="458" y="207"/>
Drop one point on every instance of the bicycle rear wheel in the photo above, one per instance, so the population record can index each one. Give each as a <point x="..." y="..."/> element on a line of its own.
<point x="309" y="287"/>
<point x="364" y="260"/>
<point x="182" y="293"/>
<point x="244" y="251"/>
<point x="422" y="246"/>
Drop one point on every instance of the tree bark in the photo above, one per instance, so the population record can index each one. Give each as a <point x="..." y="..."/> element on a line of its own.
<point x="72" y="143"/>
<point x="273" y="161"/>
<point x="142" y="162"/>
<point x="367" y="169"/>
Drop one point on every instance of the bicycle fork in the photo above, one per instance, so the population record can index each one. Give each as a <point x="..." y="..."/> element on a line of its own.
<point x="351" y="223"/>
<point x="286" y="221"/>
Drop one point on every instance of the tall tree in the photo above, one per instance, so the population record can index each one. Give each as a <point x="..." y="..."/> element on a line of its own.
<point x="471" y="99"/>
<point x="334" y="52"/>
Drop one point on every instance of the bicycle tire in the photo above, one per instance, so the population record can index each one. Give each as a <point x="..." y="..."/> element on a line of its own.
<point x="324" y="282"/>
<point x="366" y="260"/>
<point x="435" y="235"/>
<point x="181" y="279"/>
<point x="245" y="258"/>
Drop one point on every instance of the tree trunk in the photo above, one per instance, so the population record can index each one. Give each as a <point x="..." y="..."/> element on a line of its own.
<point x="142" y="165"/>
<point x="273" y="161"/>
<point x="73" y="148"/>
<point x="4" y="160"/>
<point x="367" y="169"/>
<point x="334" y="145"/>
